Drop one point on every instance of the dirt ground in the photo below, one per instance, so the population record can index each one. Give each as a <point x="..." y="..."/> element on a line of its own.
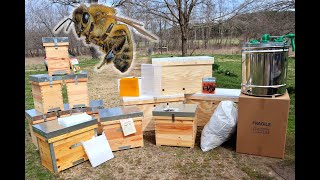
<point x="153" y="162"/>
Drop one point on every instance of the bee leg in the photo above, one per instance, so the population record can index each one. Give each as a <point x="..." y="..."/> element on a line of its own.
<point x="87" y="39"/>
<point x="107" y="58"/>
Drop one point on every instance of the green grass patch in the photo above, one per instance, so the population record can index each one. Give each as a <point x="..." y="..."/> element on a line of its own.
<point x="254" y="173"/>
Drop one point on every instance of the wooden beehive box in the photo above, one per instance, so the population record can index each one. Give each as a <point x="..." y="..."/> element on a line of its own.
<point x="147" y="104"/>
<point x="207" y="103"/>
<point x="183" y="75"/>
<point x="176" y="128"/>
<point x="60" y="146"/>
<point x="110" y="121"/>
<point x="35" y="117"/>
<point x="57" y="55"/>
<point x="46" y="92"/>
<point x="77" y="89"/>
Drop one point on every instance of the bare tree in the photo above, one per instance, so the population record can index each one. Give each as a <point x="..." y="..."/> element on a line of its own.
<point x="178" y="12"/>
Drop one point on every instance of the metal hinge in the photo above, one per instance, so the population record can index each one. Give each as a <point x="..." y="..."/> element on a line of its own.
<point x="55" y="40"/>
<point x="79" y="106"/>
<point x="75" y="145"/>
<point x="54" y="109"/>
<point x="50" y="81"/>
<point x="124" y="147"/>
<point x="44" y="118"/>
<point x="76" y="80"/>
<point x="78" y="161"/>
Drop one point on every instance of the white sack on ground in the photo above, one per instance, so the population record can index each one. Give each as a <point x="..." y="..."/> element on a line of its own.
<point x="220" y="127"/>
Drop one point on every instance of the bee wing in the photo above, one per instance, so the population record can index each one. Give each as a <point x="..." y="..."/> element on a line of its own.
<point x="133" y="24"/>
<point x="127" y="21"/>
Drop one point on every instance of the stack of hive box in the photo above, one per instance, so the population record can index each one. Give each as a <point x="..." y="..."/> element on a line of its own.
<point x="53" y="139"/>
<point x="174" y="82"/>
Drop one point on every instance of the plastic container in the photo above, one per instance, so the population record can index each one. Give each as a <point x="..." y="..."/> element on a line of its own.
<point x="151" y="79"/>
<point x="209" y="85"/>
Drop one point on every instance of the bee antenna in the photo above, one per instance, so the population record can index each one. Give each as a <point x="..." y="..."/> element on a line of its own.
<point x="63" y="23"/>
<point x="69" y="24"/>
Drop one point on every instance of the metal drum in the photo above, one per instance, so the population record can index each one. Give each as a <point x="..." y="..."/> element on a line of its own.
<point x="264" y="68"/>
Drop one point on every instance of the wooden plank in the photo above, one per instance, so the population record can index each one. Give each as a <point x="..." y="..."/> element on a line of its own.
<point x="205" y="110"/>
<point x="54" y="139"/>
<point x="37" y="97"/>
<point x="58" y="65"/>
<point x="174" y="61"/>
<point x="118" y="121"/>
<point x="127" y="103"/>
<point x="118" y="141"/>
<point x="45" y="155"/>
<point x="169" y="140"/>
<point x="39" y="136"/>
<point x="65" y="155"/>
<point x="147" y="107"/>
<point x="184" y="79"/>
<point x="129" y="142"/>
<point x="177" y="133"/>
<point x="235" y="99"/>
<point x="42" y="120"/>
<point x="59" y="44"/>
<point x="176" y="118"/>
<point x="33" y="137"/>
<point x="46" y="83"/>
<point x="78" y="93"/>
<point x="147" y="121"/>
<point x="51" y="97"/>
<point x="60" y="52"/>
<point x="46" y="97"/>
<point x="79" y="80"/>
<point x="171" y="99"/>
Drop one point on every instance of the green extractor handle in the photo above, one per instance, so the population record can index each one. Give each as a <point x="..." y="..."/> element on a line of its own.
<point x="291" y="37"/>
<point x="265" y="38"/>
<point x="254" y="41"/>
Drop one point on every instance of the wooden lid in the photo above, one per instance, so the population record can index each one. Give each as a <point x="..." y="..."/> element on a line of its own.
<point x="94" y="107"/>
<point x="55" y="41"/>
<point x="189" y="60"/>
<point x="44" y="78"/>
<point x="220" y="95"/>
<point x="53" y="128"/>
<point x="138" y="100"/>
<point x="82" y="74"/>
<point x="182" y="110"/>
<point x="169" y="98"/>
<point x="117" y="113"/>
<point x="34" y="115"/>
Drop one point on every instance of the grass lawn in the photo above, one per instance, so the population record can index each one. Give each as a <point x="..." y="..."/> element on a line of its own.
<point x="205" y="163"/>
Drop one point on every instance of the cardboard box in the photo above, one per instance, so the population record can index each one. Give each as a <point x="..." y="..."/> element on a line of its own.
<point x="262" y="125"/>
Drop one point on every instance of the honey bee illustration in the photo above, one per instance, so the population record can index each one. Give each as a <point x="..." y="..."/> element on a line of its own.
<point x="99" y="25"/>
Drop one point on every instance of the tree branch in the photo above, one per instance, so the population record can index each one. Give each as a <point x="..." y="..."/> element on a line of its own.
<point x="168" y="6"/>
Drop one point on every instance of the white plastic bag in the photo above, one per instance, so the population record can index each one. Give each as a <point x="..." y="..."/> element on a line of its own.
<point x="220" y="127"/>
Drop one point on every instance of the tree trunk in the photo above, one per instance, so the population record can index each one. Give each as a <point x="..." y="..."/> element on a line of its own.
<point x="184" y="45"/>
